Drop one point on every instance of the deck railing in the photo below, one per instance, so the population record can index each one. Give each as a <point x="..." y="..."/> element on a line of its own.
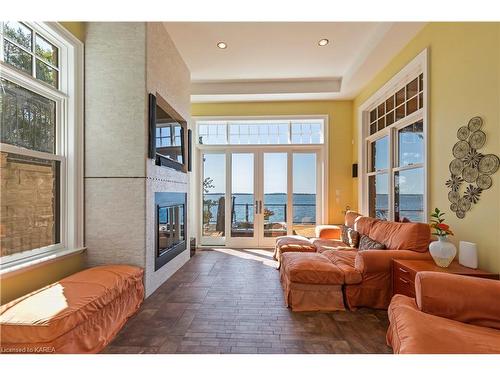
<point x="246" y="213"/>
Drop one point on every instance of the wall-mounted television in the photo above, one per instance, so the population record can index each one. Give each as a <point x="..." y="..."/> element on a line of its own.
<point x="167" y="135"/>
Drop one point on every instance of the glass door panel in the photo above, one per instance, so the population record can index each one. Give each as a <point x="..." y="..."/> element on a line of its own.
<point x="304" y="193"/>
<point x="275" y="194"/>
<point x="269" y="193"/>
<point x="243" y="199"/>
<point x="213" y="198"/>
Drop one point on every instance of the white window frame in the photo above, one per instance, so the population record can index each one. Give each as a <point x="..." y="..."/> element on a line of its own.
<point x="256" y="120"/>
<point x="323" y="160"/>
<point x="69" y="141"/>
<point x="413" y="69"/>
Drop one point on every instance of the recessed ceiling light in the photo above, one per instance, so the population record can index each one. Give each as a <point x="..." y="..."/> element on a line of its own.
<point x="222" y="45"/>
<point x="323" y="42"/>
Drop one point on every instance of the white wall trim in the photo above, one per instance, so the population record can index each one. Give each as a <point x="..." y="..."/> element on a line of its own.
<point x="236" y="88"/>
<point x="418" y="64"/>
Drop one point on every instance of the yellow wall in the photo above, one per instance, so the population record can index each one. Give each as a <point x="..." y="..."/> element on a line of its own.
<point x="75" y="28"/>
<point x="21" y="282"/>
<point x="18" y="283"/>
<point x="339" y="134"/>
<point x="464" y="72"/>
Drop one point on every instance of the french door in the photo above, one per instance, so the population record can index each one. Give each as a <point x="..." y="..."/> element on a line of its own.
<point x="251" y="197"/>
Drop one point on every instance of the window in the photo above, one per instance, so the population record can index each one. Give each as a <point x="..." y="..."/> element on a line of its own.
<point x="398" y="105"/>
<point x="260" y="178"/>
<point x="31" y="53"/>
<point x="409" y="173"/>
<point x="378" y="186"/>
<point x="40" y="142"/>
<point x="394" y="179"/>
<point x="261" y="132"/>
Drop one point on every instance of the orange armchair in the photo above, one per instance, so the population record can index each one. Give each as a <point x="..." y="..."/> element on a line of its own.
<point x="328" y="232"/>
<point x="462" y="298"/>
<point x="450" y="314"/>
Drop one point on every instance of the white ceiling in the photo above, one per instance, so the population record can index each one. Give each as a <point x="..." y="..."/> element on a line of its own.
<point x="282" y="60"/>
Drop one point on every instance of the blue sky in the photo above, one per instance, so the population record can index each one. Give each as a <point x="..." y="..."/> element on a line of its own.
<point x="275" y="172"/>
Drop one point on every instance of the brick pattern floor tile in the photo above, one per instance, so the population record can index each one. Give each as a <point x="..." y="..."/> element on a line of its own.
<point x="231" y="301"/>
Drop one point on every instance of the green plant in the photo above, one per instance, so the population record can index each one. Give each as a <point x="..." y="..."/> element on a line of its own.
<point x="268" y="213"/>
<point x="437" y="224"/>
<point x="208" y="183"/>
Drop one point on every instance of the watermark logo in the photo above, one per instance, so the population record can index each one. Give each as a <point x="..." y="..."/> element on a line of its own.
<point x="30" y="349"/>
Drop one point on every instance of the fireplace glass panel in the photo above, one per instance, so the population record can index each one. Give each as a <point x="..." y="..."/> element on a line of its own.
<point x="170" y="227"/>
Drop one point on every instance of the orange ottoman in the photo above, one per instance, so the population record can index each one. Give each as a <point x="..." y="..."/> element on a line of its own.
<point x="81" y="313"/>
<point x="311" y="282"/>
<point x="293" y="243"/>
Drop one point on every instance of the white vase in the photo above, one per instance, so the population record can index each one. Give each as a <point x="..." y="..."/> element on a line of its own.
<point x="442" y="251"/>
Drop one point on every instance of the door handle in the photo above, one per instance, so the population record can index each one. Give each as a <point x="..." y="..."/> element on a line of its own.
<point x="256" y="207"/>
<point x="260" y="207"/>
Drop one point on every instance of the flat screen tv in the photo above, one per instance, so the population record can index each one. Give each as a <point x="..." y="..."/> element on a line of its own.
<point x="167" y="135"/>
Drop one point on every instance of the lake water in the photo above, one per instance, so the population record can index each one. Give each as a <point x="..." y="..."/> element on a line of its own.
<point x="304" y="207"/>
<point x="410" y="205"/>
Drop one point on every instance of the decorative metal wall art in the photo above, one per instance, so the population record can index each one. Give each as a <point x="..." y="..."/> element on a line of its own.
<point x="471" y="167"/>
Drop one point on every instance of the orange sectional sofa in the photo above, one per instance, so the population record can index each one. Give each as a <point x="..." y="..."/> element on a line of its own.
<point x="363" y="275"/>
<point x="81" y="313"/>
<point x="450" y="314"/>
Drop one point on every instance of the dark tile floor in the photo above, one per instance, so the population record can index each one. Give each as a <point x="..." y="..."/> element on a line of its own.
<point x="231" y="301"/>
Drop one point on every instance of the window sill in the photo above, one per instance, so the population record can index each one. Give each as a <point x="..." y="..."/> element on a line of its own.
<point x="36" y="261"/>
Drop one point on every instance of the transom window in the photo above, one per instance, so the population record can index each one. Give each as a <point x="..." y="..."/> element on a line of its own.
<point x="259" y="132"/>
<point x="394" y="179"/>
<point x="30" y="52"/>
<point x="397" y="106"/>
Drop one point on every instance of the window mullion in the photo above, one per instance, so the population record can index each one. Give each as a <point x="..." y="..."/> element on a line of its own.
<point x="409" y="167"/>
<point x="33" y="58"/>
<point x="392" y="161"/>
<point x="1" y="41"/>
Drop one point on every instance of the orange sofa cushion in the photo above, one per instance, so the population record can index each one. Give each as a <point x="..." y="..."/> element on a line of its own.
<point x="363" y="224"/>
<point x="414" y="332"/>
<point x="345" y="259"/>
<point x="328" y="231"/>
<point x="79" y="314"/>
<point x="463" y="298"/>
<point x="311" y="268"/>
<point x="293" y="243"/>
<point x="401" y="236"/>
<point x="350" y="218"/>
<point x="325" y="244"/>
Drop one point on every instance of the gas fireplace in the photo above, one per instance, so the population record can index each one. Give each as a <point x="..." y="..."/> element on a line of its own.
<point x="171" y="225"/>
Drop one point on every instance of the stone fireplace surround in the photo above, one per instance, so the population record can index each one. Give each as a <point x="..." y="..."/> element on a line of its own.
<point x="120" y="181"/>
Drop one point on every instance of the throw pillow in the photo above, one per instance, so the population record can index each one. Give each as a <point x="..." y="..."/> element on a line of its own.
<point x="366" y="243"/>
<point x="349" y="236"/>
